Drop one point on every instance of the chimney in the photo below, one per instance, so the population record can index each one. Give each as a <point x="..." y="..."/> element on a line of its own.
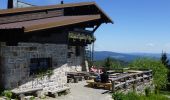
<point x="10" y="4"/>
<point x="62" y="2"/>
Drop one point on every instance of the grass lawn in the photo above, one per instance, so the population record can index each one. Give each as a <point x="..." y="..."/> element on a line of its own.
<point x="134" y="96"/>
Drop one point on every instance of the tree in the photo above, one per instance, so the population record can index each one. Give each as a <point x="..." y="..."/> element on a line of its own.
<point x="108" y="63"/>
<point x="115" y="63"/>
<point x="159" y="70"/>
<point x="164" y="59"/>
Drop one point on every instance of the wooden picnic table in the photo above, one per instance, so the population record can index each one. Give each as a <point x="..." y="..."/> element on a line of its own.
<point x="92" y="83"/>
<point x="78" y="73"/>
<point x="77" y="76"/>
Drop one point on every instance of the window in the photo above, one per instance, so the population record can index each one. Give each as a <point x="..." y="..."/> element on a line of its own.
<point x="40" y="64"/>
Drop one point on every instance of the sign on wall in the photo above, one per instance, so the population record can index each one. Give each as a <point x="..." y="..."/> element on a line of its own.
<point x="20" y="4"/>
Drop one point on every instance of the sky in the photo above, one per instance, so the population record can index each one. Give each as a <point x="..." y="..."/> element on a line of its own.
<point x="139" y="25"/>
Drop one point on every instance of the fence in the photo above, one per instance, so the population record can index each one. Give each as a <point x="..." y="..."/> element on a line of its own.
<point x="131" y="80"/>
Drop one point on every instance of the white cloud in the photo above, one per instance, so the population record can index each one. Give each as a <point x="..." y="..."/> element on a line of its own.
<point x="150" y="44"/>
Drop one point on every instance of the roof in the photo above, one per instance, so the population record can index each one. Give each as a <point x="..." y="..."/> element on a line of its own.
<point x="17" y="10"/>
<point x="46" y="23"/>
<point x="39" y="8"/>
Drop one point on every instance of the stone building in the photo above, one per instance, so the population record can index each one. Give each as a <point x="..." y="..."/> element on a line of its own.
<point x="39" y="38"/>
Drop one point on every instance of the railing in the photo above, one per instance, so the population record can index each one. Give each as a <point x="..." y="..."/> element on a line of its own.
<point x="81" y="36"/>
<point x="133" y="79"/>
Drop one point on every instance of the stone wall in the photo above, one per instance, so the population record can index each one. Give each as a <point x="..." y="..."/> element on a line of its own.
<point x="15" y="61"/>
<point x="56" y="82"/>
<point x="75" y="62"/>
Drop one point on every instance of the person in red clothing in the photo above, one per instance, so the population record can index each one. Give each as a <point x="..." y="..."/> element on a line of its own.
<point x="93" y="69"/>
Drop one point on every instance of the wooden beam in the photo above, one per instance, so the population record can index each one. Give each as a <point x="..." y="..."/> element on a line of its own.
<point x="96" y="28"/>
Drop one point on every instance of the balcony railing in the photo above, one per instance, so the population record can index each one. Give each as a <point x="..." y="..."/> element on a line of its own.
<point x="81" y="36"/>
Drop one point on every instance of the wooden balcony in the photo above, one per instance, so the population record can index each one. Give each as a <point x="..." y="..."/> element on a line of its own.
<point x="80" y="38"/>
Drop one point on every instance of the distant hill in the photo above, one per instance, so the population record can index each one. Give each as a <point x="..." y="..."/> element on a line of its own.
<point x="151" y="55"/>
<point x="101" y="55"/>
<point x="115" y="63"/>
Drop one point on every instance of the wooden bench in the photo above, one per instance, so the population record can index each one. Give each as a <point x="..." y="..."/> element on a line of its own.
<point x="74" y="77"/>
<point x="92" y="83"/>
<point x="69" y="80"/>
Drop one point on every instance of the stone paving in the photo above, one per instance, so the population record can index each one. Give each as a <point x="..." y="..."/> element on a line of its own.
<point x="80" y="92"/>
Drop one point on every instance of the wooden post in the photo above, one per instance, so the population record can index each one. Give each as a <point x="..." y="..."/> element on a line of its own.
<point x="151" y="74"/>
<point x="113" y="86"/>
<point x="92" y="52"/>
<point x="125" y="86"/>
<point x="149" y="78"/>
<point x="134" y="83"/>
<point x="143" y="81"/>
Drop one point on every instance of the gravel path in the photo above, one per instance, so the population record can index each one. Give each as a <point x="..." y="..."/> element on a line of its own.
<point x="80" y="92"/>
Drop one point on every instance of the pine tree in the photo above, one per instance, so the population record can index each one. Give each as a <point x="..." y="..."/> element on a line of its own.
<point x="108" y="63"/>
<point x="164" y="59"/>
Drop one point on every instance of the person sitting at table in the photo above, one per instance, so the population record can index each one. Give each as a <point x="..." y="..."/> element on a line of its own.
<point x="93" y="69"/>
<point x="97" y="79"/>
<point x="98" y="72"/>
<point x="104" y="77"/>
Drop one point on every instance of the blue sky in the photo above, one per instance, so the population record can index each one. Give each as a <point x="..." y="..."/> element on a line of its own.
<point x="139" y="25"/>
